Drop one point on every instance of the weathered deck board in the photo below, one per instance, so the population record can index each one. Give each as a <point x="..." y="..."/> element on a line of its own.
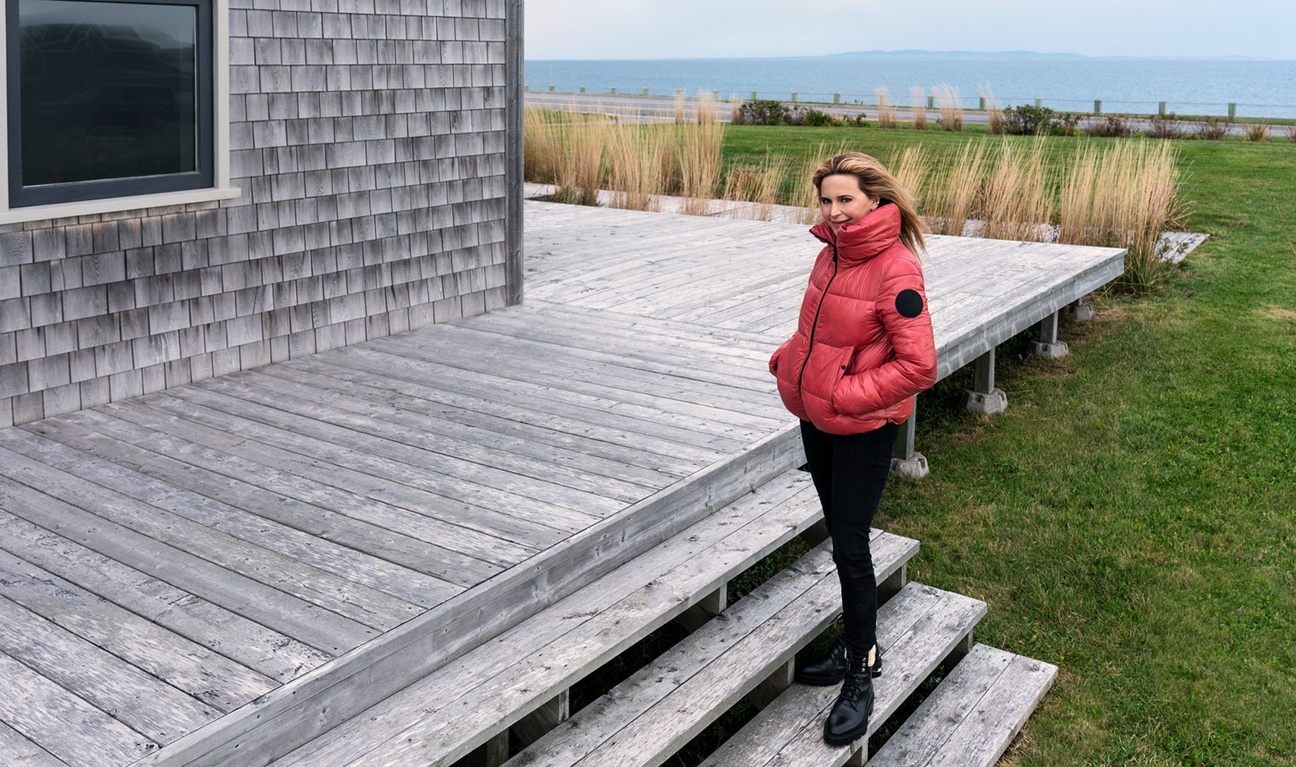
<point x="189" y="667"/>
<point x="387" y="505"/>
<point x="350" y="602"/>
<point x="204" y="623"/>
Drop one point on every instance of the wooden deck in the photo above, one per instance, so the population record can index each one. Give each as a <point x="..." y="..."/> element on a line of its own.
<point x="178" y="569"/>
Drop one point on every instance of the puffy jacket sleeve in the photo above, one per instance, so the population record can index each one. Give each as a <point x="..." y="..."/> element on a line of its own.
<point x="774" y="358"/>
<point x="911" y="368"/>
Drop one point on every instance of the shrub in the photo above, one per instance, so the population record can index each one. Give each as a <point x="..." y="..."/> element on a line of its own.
<point x="819" y="119"/>
<point x="1111" y="126"/>
<point x="1164" y="126"/>
<point x="1027" y="120"/>
<point x="762" y="112"/>
<point x="1214" y="128"/>
<point x="1291" y="133"/>
<point x="1257" y="132"/>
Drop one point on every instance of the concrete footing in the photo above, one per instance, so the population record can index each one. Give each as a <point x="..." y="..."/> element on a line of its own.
<point x="1050" y="350"/>
<point x="986" y="403"/>
<point x="1079" y="312"/>
<point x="913" y="467"/>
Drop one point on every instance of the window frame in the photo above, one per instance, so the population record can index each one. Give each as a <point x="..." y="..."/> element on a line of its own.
<point x="130" y="194"/>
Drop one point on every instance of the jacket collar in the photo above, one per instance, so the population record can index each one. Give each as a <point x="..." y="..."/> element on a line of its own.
<point x="865" y="238"/>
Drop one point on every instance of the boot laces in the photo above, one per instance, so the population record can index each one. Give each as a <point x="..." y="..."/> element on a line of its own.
<point x="854" y="684"/>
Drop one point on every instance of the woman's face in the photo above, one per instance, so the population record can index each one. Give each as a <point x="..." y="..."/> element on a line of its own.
<point x="842" y="202"/>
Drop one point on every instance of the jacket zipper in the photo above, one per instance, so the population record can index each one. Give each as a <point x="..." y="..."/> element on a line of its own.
<point x="814" y="326"/>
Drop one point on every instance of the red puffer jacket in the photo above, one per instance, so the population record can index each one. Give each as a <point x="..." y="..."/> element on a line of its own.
<point x="864" y="344"/>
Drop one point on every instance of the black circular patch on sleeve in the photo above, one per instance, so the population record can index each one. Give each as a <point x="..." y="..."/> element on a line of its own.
<point x="909" y="303"/>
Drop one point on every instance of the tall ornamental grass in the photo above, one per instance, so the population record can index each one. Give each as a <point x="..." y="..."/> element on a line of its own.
<point x="1017" y="198"/>
<point x="918" y="103"/>
<point x="887" y="117"/>
<point x="950" y="104"/>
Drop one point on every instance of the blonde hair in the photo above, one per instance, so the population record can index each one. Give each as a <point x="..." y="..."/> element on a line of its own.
<point x="876" y="181"/>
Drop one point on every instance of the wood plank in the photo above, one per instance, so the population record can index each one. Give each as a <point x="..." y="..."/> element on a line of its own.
<point x="539" y="400"/>
<point x="531" y="662"/>
<point x="133" y="697"/>
<point x="276" y="655"/>
<point x="659" y="407"/>
<point x="351" y="601"/>
<point x="442" y="456"/>
<point x="185" y="665"/>
<point x="386" y="406"/>
<point x="301" y="620"/>
<point x="990" y="725"/>
<point x="490" y="487"/>
<point x="647" y="718"/>
<point x="306" y="707"/>
<point x="408" y="398"/>
<point x="919" y="627"/>
<point x="355" y="530"/>
<point x="674" y="395"/>
<point x="315" y="461"/>
<point x="582" y="426"/>
<point x="63" y="724"/>
<point x="409" y="586"/>
<point x="16" y="750"/>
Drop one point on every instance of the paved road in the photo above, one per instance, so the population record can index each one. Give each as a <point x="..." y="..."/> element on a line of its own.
<point x="646" y="109"/>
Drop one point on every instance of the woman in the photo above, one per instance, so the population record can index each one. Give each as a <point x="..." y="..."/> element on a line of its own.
<point x="862" y="350"/>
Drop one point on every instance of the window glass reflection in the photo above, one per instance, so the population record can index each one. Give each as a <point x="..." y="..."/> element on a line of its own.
<point x="107" y="90"/>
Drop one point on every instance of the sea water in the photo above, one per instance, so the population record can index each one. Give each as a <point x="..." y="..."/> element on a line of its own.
<point x="1258" y="88"/>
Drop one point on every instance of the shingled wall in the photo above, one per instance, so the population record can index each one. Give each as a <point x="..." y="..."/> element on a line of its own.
<point x="377" y="144"/>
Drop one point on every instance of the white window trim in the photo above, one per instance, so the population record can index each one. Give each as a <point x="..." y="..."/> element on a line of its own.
<point x="221" y="189"/>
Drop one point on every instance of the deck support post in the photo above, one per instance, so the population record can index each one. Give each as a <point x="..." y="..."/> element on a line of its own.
<point x="1079" y="311"/>
<point x="892" y="585"/>
<point x="983" y="397"/>
<point x="815" y="534"/>
<point x="706" y="608"/>
<point x="860" y="755"/>
<point x="492" y="753"/>
<point x="907" y="462"/>
<point x="1047" y="344"/>
<point x="533" y="726"/>
<point x="774" y="685"/>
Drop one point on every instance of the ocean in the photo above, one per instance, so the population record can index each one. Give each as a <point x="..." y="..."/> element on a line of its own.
<point x="1258" y="88"/>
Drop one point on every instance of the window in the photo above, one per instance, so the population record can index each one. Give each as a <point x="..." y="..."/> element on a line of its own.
<point x="108" y="99"/>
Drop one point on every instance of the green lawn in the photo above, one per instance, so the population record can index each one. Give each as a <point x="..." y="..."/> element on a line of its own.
<point x="1130" y="518"/>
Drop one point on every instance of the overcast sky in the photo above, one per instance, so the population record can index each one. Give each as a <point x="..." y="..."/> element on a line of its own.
<point x="651" y="29"/>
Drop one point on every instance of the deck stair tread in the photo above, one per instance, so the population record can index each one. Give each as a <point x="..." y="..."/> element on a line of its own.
<point x="973" y="715"/>
<point x="920" y="627"/>
<point x="654" y="713"/>
<point x="448" y="713"/>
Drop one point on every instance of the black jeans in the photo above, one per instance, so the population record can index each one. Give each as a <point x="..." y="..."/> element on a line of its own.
<point x="849" y="473"/>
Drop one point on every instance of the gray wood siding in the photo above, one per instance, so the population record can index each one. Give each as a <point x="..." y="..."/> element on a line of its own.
<point x="377" y="144"/>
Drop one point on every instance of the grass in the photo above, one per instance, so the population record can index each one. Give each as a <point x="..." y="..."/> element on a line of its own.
<point x="1129" y="518"/>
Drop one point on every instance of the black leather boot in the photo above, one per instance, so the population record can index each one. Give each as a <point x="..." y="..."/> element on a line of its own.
<point x="831" y="669"/>
<point x="848" y="720"/>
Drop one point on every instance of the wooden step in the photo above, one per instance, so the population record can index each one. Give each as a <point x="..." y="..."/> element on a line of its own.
<point x="920" y="628"/>
<point x="649" y="717"/>
<point x="479" y="696"/>
<point x="973" y="714"/>
<point x="313" y="704"/>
